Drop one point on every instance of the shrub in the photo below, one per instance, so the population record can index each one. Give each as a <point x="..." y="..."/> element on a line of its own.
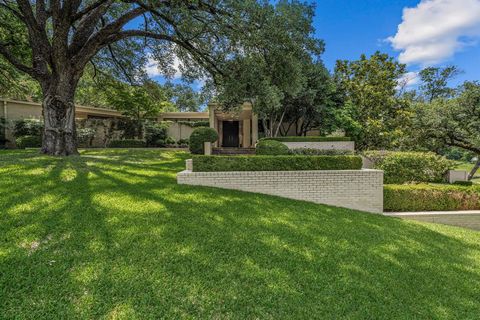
<point x="275" y="163"/>
<point x="156" y="133"/>
<point x="271" y="147"/>
<point x="308" y="139"/>
<point x="463" y="183"/>
<point x="28" y="127"/>
<point x="199" y="136"/>
<point x="28" y="142"/>
<point x="169" y="142"/>
<point x="85" y="136"/>
<point x="127" y="143"/>
<point x="195" y="124"/>
<point x="183" y="143"/>
<point x="424" y="197"/>
<point x="403" y="167"/>
<point x="317" y="152"/>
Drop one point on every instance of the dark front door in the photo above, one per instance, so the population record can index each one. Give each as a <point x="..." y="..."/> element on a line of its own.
<point x="230" y="134"/>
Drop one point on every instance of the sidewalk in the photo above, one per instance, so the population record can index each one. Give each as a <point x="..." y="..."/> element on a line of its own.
<point x="464" y="219"/>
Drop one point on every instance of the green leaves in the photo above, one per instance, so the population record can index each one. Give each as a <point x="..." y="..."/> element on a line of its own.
<point x="368" y="87"/>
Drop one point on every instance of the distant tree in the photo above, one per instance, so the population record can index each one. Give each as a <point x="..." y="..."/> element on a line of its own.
<point x="452" y="123"/>
<point x="435" y="82"/>
<point x="372" y="113"/>
<point x="271" y="67"/>
<point x="184" y="97"/>
<point x="315" y="106"/>
<point x="139" y="103"/>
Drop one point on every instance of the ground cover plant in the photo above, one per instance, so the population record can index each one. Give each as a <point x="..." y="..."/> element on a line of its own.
<point x="111" y="235"/>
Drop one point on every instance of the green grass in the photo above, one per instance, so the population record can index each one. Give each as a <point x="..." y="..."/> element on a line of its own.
<point x="467" y="166"/>
<point x="111" y="235"/>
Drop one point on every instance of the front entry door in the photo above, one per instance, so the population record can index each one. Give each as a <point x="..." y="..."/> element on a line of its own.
<point x="230" y="134"/>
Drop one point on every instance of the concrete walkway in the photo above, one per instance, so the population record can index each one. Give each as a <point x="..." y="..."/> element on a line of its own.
<point x="464" y="219"/>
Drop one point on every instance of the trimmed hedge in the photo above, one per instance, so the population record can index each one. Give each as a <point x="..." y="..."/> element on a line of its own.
<point x="425" y="197"/>
<point x="319" y="152"/>
<point x="199" y="136"/>
<point x="271" y="147"/>
<point x="404" y="167"/>
<point x="127" y="143"/>
<point x="28" y="142"/>
<point x="308" y="139"/>
<point x="275" y="163"/>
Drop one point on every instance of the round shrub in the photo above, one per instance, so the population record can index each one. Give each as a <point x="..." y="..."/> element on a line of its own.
<point x="29" y="142"/>
<point x="271" y="148"/>
<point x="199" y="136"/>
<point x="404" y="167"/>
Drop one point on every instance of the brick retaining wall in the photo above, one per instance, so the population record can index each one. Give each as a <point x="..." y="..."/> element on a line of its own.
<point x="354" y="189"/>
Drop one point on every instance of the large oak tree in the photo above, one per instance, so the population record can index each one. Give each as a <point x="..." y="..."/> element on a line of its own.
<point x="53" y="40"/>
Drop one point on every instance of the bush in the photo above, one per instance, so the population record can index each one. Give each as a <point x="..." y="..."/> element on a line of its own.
<point x="464" y="183"/>
<point x="275" y="163"/>
<point x="28" y="127"/>
<point x="85" y="136"/>
<point x="317" y="152"/>
<point x="156" y="133"/>
<point x="28" y="142"/>
<point x="168" y="142"/>
<point x="271" y="147"/>
<point x="199" y="136"/>
<point x="183" y="143"/>
<point x="308" y="139"/>
<point x="128" y="143"/>
<point x="424" y="197"/>
<point x="195" y="124"/>
<point x="403" y="167"/>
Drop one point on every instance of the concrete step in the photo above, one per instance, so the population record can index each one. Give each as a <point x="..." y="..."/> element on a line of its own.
<point x="233" y="151"/>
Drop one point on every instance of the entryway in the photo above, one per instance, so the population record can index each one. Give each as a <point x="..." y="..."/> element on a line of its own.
<point x="230" y="138"/>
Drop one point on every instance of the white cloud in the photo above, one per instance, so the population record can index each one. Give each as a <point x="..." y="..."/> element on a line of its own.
<point x="153" y="70"/>
<point x="435" y="30"/>
<point x="408" y="79"/>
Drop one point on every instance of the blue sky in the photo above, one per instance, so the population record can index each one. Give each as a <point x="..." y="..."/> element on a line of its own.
<point x="418" y="33"/>
<point x="353" y="27"/>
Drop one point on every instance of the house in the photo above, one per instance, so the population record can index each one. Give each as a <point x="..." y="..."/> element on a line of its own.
<point x="236" y="129"/>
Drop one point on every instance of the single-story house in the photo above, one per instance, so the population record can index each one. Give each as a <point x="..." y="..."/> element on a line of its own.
<point x="238" y="129"/>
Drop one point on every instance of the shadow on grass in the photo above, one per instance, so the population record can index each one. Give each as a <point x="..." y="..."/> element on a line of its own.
<point x="111" y="234"/>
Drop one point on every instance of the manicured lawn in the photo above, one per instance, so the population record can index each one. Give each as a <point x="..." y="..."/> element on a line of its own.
<point x="111" y="235"/>
<point x="468" y="167"/>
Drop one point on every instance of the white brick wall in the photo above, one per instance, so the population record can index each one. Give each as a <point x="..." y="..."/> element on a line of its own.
<point x="322" y="145"/>
<point x="354" y="189"/>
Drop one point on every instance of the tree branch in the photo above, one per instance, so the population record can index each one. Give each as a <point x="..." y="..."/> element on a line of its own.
<point x="15" y="62"/>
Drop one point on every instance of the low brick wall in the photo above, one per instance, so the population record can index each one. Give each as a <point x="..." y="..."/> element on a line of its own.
<point x="354" y="189"/>
<point x="322" y="145"/>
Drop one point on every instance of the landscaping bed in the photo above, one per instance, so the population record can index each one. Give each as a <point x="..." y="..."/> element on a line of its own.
<point x="274" y="163"/>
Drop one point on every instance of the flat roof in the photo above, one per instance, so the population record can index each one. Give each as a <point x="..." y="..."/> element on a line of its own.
<point x="111" y="112"/>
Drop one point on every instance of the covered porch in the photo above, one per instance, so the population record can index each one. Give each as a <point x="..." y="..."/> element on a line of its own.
<point x="235" y="129"/>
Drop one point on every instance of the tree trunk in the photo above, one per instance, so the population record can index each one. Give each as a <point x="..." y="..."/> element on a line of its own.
<point x="59" y="136"/>
<point x="475" y="168"/>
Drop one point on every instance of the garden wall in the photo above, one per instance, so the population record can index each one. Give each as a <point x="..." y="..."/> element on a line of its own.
<point x="353" y="189"/>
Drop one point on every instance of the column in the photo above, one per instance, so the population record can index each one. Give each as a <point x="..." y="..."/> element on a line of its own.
<point x="254" y="128"/>
<point x="246" y="133"/>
